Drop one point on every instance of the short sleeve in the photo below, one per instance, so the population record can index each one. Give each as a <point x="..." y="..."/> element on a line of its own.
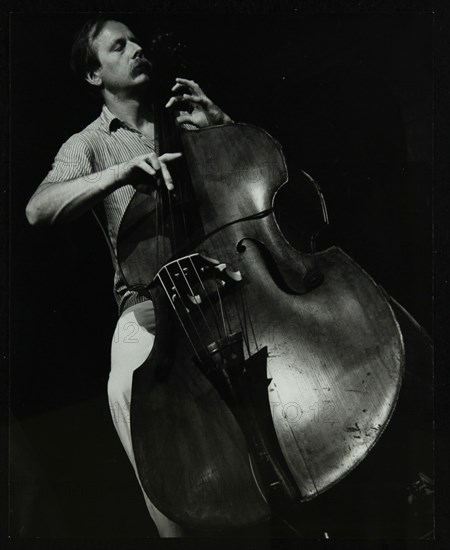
<point x="73" y="160"/>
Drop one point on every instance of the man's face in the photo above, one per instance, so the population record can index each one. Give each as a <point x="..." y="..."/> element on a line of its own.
<point x="122" y="62"/>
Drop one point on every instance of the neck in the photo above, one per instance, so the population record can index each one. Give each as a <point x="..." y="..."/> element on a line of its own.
<point x="132" y="110"/>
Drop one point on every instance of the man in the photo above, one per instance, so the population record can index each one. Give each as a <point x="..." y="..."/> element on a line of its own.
<point x="101" y="167"/>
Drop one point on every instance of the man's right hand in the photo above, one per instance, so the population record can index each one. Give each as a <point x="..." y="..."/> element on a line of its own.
<point x="64" y="201"/>
<point x="136" y="171"/>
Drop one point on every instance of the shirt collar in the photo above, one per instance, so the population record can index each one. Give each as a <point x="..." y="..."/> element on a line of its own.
<point x="110" y="120"/>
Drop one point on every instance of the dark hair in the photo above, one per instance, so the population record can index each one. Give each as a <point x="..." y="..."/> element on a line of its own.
<point x="83" y="58"/>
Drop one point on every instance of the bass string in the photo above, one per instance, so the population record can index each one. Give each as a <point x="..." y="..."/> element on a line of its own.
<point x="219" y="296"/>
<point x="247" y="314"/>
<point x="163" y="220"/>
<point x="243" y="327"/>
<point x="179" y="317"/>
<point x="192" y="323"/>
<point x="170" y="216"/>
<point x="181" y="192"/>
<point x="163" y="226"/>
<point x="172" y="223"/>
<point x="226" y="309"/>
<point x="208" y="327"/>
<point x="157" y="228"/>
<point x="221" y="317"/>
<point x="211" y="305"/>
<point x="169" y="133"/>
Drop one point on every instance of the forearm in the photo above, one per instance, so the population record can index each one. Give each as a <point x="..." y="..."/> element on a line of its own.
<point x="64" y="201"/>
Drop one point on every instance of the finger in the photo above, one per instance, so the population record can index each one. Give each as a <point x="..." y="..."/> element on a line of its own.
<point x="193" y="90"/>
<point x="194" y="98"/>
<point x="148" y="157"/>
<point x="166" y="176"/>
<point x="153" y="160"/>
<point x="146" y="167"/>
<point x="201" y="100"/>
<point x="177" y="87"/>
<point x="180" y="82"/>
<point x="174" y="99"/>
<point x="167" y="157"/>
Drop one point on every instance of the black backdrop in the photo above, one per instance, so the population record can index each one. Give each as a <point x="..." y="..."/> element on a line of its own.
<point x="350" y="99"/>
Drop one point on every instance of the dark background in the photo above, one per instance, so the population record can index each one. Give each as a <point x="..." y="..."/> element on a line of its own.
<point x="349" y="97"/>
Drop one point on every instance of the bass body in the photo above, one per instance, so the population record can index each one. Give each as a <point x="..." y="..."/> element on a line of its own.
<point x="325" y="336"/>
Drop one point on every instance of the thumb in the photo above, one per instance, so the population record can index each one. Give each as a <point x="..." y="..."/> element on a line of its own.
<point x="170" y="156"/>
<point x="186" y="119"/>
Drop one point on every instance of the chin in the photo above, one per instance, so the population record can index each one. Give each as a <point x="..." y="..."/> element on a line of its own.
<point x="142" y="78"/>
<point x="146" y="81"/>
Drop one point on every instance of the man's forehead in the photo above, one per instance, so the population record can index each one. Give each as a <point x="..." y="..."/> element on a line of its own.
<point x="113" y="30"/>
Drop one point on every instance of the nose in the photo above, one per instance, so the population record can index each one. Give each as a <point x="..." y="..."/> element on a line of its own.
<point x="138" y="51"/>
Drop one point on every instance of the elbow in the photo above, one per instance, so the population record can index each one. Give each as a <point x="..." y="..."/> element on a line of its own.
<point x="35" y="216"/>
<point x="31" y="214"/>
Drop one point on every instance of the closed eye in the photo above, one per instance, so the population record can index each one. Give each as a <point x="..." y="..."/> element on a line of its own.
<point x="118" y="45"/>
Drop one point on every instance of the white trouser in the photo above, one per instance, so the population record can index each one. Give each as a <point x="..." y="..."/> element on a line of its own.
<point x="131" y="345"/>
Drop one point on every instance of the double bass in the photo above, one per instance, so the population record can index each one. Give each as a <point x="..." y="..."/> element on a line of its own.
<point x="274" y="371"/>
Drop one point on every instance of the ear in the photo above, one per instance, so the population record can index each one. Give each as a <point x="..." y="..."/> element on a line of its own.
<point x="94" y="78"/>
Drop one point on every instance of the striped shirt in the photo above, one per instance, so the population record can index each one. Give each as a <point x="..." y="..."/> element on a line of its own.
<point x="102" y="144"/>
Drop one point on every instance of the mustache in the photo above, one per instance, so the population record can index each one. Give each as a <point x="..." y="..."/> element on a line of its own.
<point x="141" y="64"/>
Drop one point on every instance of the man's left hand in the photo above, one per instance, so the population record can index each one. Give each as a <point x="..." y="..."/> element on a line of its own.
<point x="203" y="112"/>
